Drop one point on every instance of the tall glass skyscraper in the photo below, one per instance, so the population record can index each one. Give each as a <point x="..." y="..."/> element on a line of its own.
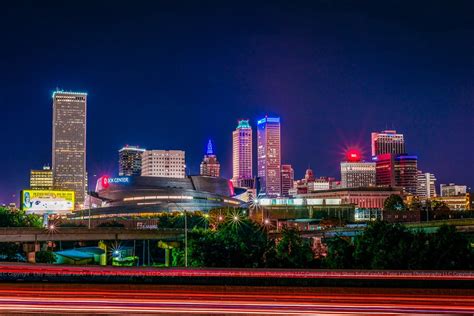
<point x="269" y="156"/>
<point x="242" y="175"/>
<point x="69" y="143"/>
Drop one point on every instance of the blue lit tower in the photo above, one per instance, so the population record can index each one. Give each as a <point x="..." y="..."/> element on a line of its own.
<point x="269" y="156"/>
<point x="210" y="166"/>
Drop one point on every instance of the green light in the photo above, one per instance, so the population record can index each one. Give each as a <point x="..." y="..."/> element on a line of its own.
<point x="243" y="124"/>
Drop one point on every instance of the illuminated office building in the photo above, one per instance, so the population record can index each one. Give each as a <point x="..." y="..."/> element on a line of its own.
<point x="397" y="171"/>
<point x="69" y="143"/>
<point x="210" y="166"/>
<point x="426" y="185"/>
<point x="452" y="189"/>
<point x="287" y="179"/>
<point x="269" y="156"/>
<point x="130" y="161"/>
<point x="356" y="173"/>
<point x="242" y="175"/>
<point x="41" y="179"/>
<point x="164" y="163"/>
<point x="387" y="142"/>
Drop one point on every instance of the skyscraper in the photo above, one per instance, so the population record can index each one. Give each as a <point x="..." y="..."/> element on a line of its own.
<point x="387" y="142"/>
<point x="242" y="174"/>
<point x="397" y="170"/>
<point x="287" y="179"/>
<point x="41" y="179"/>
<point x="426" y="185"/>
<point x="164" y="163"/>
<point x="69" y="142"/>
<point x="356" y="173"/>
<point x="130" y="161"/>
<point x="269" y="156"/>
<point x="406" y="173"/>
<point x="210" y="165"/>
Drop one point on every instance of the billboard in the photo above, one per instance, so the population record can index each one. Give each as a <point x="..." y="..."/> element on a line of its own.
<point x="47" y="200"/>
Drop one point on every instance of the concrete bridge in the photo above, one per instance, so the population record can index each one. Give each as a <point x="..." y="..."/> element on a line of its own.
<point x="26" y="234"/>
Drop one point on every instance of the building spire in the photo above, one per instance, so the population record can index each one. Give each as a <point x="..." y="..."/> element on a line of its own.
<point x="209" y="148"/>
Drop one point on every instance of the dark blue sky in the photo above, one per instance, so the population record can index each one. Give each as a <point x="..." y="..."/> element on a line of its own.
<point x="170" y="75"/>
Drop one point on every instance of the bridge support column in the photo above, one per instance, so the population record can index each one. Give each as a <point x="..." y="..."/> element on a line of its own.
<point x="103" y="257"/>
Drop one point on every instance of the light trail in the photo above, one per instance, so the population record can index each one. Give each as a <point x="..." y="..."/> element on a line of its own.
<point x="117" y="299"/>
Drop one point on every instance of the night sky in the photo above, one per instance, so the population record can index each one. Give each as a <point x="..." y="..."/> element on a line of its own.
<point x="171" y="75"/>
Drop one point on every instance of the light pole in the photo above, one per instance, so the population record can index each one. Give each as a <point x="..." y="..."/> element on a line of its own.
<point x="185" y="239"/>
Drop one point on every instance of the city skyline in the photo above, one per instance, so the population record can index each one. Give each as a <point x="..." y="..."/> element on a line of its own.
<point x="330" y="95"/>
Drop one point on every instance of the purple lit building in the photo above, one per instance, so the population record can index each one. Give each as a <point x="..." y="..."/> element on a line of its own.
<point x="269" y="156"/>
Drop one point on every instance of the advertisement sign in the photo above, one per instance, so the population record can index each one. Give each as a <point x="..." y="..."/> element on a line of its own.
<point x="47" y="200"/>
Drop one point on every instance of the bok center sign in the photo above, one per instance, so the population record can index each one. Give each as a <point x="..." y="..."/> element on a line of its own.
<point x="104" y="182"/>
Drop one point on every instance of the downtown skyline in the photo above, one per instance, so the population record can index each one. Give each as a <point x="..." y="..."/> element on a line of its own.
<point x="330" y="96"/>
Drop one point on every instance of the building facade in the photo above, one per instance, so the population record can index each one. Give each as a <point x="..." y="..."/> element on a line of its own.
<point x="452" y="189"/>
<point x="426" y="187"/>
<point x="41" y="179"/>
<point x="130" y="161"/>
<point x="69" y="143"/>
<point x="287" y="179"/>
<point x="397" y="171"/>
<point x="406" y="173"/>
<point x="164" y="163"/>
<point x="357" y="174"/>
<point x="242" y="174"/>
<point x="387" y="142"/>
<point x="210" y="165"/>
<point x="269" y="156"/>
<point x="363" y="198"/>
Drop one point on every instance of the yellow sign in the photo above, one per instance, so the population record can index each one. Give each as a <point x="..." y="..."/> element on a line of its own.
<point x="47" y="200"/>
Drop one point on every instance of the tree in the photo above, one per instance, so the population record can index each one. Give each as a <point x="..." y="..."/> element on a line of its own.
<point x="240" y="243"/>
<point x="450" y="250"/>
<point x="394" y="203"/>
<point x="45" y="257"/>
<point x="9" y="251"/>
<point x="111" y="224"/>
<point x="340" y="253"/>
<point x="415" y="205"/>
<point x="292" y="251"/>
<point x="18" y="218"/>
<point x="382" y="246"/>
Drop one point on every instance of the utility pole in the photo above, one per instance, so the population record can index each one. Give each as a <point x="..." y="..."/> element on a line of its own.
<point x="185" y="239"/>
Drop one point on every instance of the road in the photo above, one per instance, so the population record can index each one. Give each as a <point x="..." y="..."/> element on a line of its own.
<point x="165" y="299"/>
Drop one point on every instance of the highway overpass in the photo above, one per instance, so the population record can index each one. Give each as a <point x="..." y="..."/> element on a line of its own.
<point x="27" y="234"/>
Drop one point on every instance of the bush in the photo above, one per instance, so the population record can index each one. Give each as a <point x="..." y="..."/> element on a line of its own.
<point x="45" y="257"/>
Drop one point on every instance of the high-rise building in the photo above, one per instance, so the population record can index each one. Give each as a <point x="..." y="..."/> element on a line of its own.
<point x="130" y="161"/>
<point x="164" y="163"/>
<point x="356" y="173"/>
<point x="287" y="179"/>
<point x="397" y="171"/>
<point x="209" y="165"/>
<point x="406" y="173"/>
<point x="426" y="188"/>
<point x="452" y="189"/>
<point x="269" y="156"/>
<point x="387" y="142"/>
<point x="242" y="175"/>
<point x="41" y="179"/>
<point x="69" y="143"/>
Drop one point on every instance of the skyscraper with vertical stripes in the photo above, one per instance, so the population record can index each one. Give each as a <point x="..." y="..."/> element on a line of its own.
<point x="69" y="143"/>
<point x="269" y="156"/>
<point x="242" y="175"/>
